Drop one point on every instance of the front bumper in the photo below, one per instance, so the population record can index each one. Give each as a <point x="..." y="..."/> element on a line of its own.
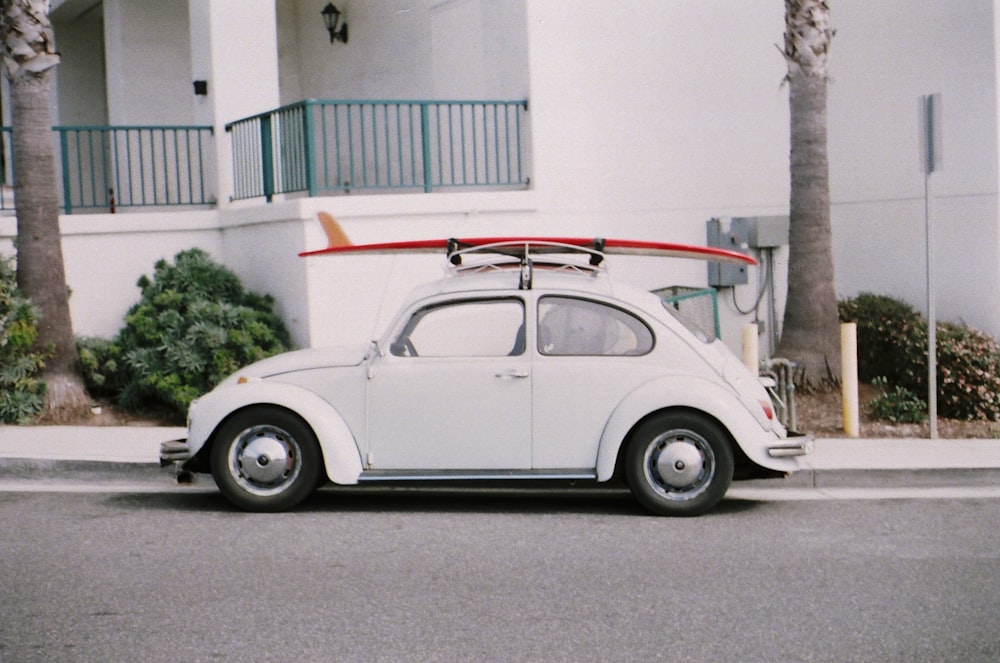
<point x="796" y="444"/>
<point x="174" y="451"/>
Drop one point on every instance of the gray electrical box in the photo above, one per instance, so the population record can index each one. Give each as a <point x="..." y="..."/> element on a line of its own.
<point x="766" y="232"/>
<point x="733" y="235"/>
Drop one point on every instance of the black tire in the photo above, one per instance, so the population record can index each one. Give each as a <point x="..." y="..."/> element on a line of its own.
<point x="266" y="459"/>
<point x="679" y="464"/>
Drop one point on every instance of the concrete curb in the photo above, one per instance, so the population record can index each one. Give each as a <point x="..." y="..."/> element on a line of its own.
<point x="883" y="478"/>
<point x="47" y="469"/>
<point x="50" y="470"/>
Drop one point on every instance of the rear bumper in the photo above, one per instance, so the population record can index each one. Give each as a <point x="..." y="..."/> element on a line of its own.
<point x="796" y="444"/>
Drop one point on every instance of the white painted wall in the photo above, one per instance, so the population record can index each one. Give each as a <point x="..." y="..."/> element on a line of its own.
<point x="147" y="46"/>
<point x="387" y="54"/>
<point x="885" y="56"/>
<point x="106" y="254"/>
<point x="234" y="47"/>
<point x="646" y="120"/>
<point x="637" y="120"/>
<point x="405" y="49"/>
<point x="79" y="31"/>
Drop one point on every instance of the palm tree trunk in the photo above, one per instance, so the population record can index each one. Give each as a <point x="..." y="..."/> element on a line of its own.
<point x="810" y="333"/>
<point x="29" y="57"/>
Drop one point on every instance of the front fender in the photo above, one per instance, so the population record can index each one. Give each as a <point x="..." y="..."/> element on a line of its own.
<point x="695" y="394"/>
<point x="339" y="448"/>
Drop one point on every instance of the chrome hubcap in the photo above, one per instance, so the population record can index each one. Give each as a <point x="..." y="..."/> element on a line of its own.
<point x="679" y="464"/>
<point x="264" y="460"/>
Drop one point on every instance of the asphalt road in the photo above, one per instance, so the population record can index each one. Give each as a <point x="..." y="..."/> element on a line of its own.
<point x="405" y="576"/>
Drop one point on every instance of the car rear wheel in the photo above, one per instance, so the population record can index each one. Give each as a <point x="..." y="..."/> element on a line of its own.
<point x="265" y="459"/>
<point x="679" y="464"/>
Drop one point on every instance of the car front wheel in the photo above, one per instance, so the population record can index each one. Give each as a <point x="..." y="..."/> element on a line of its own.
<point x="679" y="464"/>
<point x="265" y="459"/>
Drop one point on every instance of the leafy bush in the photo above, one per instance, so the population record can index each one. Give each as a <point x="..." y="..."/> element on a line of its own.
<point x="892" y="343"/>
<point x="897" y="405"/>
<point x="968" y="373"/>
<point x="892" y="340"/>
<point x="194" y="325"/>
<point x="22" y="393"/>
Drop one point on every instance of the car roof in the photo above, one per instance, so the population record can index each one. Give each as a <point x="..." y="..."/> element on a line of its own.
<point x="586" y="281"/>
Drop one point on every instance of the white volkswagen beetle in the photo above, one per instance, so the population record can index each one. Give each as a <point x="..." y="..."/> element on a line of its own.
<point x="513" y="368"/>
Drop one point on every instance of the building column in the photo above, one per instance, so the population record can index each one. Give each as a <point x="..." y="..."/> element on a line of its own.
<point x="234" y="49"/>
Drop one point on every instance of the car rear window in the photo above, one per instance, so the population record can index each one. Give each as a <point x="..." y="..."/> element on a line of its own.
<point x="570" y="326"/>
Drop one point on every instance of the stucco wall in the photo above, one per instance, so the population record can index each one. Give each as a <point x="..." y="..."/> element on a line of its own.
<point x="80" y="74"/>
<point x="323" y="300"/>
<point x="105" y="255"/>
<point x="421" y="49"/>
<point x="147" y="46"/>
<point x="885" y="56"/>
<point x="645" y="121"/>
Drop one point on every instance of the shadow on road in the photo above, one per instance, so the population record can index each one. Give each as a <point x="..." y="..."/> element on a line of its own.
<point x="599" y="501"/>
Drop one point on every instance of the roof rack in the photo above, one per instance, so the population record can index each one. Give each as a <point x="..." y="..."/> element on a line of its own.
<point x="525" y="254"/>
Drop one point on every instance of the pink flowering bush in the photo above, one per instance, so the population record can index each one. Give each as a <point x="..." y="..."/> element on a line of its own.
<point x="892" y="344"/>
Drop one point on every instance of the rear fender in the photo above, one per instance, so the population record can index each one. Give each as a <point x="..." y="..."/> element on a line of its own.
<point x="337" y="444"/>
<point x="682" y="392"/>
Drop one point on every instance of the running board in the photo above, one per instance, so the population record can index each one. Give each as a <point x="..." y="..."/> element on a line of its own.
<point x="475" y="475"/>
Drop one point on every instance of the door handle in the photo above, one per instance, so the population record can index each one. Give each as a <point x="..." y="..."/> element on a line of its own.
<point x="512" y="375"/>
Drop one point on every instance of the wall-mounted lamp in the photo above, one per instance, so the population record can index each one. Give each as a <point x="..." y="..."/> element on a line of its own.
<point x="331" y="17"/>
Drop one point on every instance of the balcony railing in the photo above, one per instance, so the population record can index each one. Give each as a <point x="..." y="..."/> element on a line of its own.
<point x="311" y="147"/>
<point x="330" y="147"/>
<point x="112" y="167"/>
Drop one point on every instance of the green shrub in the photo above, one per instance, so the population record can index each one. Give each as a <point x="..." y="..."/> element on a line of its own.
<point x="892" y="343"/>
<point x="194" y="325"/>
<point x="892" y="340"/>
<point x="22" y="393"/>
<point x="897" y="405"/>
<point x="101" y="365"/>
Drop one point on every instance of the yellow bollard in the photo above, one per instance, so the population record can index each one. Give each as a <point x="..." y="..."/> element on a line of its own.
<point x="751" y="356"/>
<point x="849" y="378"/>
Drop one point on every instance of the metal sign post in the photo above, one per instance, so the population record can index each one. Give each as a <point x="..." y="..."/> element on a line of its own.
<point x="932" y="143"/>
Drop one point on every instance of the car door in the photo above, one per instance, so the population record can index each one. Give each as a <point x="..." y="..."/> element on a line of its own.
<point x="453" y="390"/>
<point x="589" y="356"/>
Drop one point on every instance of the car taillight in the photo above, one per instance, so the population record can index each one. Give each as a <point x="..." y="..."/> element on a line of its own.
<point x="768" y="408"/>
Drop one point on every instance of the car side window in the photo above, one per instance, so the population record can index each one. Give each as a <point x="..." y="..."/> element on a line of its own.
<point x="472" y="328"/>
<point x="569" y="326"/>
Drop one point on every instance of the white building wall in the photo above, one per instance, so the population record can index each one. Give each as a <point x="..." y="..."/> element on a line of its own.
<point x="105" y="255"/>
<point x="234" y="48"/>
<point x="80" y="76"/>
<point x="418" y="49"/>
<point x="147" y="49"/>
<point x="885" y="56"/>
<point x="387" y="55"/>
<point x="646" y="121"/>
<point x="642" y="125"/>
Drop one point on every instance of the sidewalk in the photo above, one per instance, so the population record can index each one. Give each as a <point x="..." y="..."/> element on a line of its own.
<point x="128" y="453"/>
<point x="84" y="453"/>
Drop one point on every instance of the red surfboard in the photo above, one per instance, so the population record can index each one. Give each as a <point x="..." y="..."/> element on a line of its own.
<point x="521" y="246"/>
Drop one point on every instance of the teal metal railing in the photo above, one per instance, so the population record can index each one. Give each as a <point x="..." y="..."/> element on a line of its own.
<point x="325" y="147"/>
<point x="136" y="166"/>
<point x="111" y="167"/>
